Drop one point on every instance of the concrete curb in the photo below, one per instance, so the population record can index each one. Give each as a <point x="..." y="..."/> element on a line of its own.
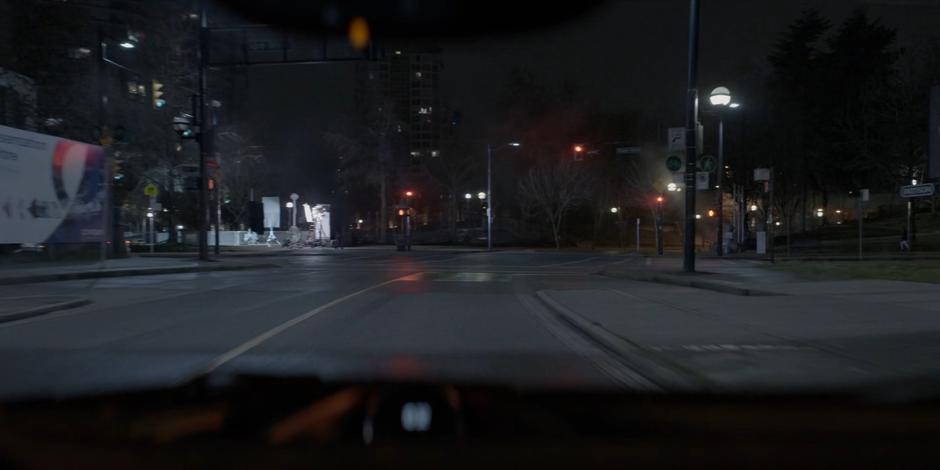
<point x="32" y="312"/>
<point x="668" y="377"/>
<point x="123" y="272"/>
<point x="690" y="281"/>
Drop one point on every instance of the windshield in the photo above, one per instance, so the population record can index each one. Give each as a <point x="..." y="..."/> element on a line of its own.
<point x="661" y="197"/>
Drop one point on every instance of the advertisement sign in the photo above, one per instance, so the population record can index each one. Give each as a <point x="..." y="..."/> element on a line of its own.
<point x="52" y="190"/>
<point x="272" y="211"/>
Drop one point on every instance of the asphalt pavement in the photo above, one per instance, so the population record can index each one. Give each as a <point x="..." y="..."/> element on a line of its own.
<point x="524" y="318"/>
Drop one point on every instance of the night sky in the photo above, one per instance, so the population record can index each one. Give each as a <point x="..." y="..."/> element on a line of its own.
<point x="624" y="55"/>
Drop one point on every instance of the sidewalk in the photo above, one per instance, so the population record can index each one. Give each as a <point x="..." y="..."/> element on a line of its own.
<point x="737" y="277"/>
<point x="822" y="336"/>
<point x="24" y="273"/>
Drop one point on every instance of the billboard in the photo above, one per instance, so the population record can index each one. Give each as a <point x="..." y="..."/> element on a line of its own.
<point x="52" y="190"/>
<point x="272" y="211"/>
<point x="933" y="142"/>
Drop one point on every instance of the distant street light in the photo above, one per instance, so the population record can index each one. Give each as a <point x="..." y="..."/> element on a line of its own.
<point x="614" y="210"/>
<point x="359" y="221"/>
<point x="468" y="196"/>
<point x="289" y="205"/>
<point x="481" y="195"/>
<point x="127" y="45"/>
<point x="659" y="199"/>
<point x="698" y="216"/>
<point x="409" y="193"/>
<point x="753" y="207"/>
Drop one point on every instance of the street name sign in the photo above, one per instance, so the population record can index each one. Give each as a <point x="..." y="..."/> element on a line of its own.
<point x="917" y="190"/>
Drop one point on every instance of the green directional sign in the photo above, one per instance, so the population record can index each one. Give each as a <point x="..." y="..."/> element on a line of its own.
<point x="707" y="163"/>
<point x="674" y="163"/>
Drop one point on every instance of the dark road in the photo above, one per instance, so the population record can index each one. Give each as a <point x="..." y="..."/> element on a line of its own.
<point x="524" y="318"/>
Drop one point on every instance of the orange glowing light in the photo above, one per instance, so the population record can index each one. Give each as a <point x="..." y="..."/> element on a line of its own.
<point x="359" y="32"/>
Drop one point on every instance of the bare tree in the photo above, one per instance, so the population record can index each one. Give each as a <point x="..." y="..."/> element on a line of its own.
<point x="554" y="189"/>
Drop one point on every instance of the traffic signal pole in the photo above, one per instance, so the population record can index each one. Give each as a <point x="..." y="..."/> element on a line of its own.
<point x="688" y="245"/>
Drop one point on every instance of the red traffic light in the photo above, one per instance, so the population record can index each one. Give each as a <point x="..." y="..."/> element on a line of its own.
<point x="211" y="184"/>
<point x="409" y="193"/>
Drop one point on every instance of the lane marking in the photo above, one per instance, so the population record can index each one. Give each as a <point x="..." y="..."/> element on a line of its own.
<point x="257" y="340"/>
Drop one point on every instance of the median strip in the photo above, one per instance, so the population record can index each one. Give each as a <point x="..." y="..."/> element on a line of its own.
<point x="122" y="272"/>
<point x="43" y="307"/>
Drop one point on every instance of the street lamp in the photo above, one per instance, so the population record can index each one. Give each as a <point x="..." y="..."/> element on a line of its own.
<point x="720" y="97"/>
<point x="481" y="195"/>
<point x="289" y="205"/>
<point x="293" y="210"/>
<point x="753" y="207"/>
<point x="614" y="210"/>
<point x="468" y="196"/>
<point x="489" y="189"/>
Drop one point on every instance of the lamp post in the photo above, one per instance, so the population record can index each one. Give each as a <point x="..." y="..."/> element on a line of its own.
<point x="293" y="210"/>
<point x="489" y="189"/>
<point x="721" y="98"/>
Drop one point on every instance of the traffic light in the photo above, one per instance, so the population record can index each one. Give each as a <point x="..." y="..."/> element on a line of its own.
<point x="711" y="212"/>
<point x="401" y="212"/>
<point x="156" y="93"/>
<point x="578" y="154"/>
<point x="211" y="184"/>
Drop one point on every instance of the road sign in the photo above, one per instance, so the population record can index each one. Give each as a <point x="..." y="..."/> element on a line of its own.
<point x="628" y="150"/>
<point x="151" y="190"/>
<point x="917" y="190"/>
<point x="761" y="174"/>
<point x="676" y="139"/>
<point x="864" y="194"/>
<point x="701" y="180"/>
<point x="707" y="163"/>
<point x="674" y="163"/>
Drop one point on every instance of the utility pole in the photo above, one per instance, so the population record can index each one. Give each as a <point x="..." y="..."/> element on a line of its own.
<point x="202" y="52"/>
<point x="719" y="211"/>
<point x="489" y="197"/>
<point x="691" y="124"/>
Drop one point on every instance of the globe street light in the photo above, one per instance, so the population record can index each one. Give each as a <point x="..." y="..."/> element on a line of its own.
<point x="721" y="98"/>
<point x="614" y="210"/>
<point x="481" y="195"/>
<point x="468" y="196"/>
